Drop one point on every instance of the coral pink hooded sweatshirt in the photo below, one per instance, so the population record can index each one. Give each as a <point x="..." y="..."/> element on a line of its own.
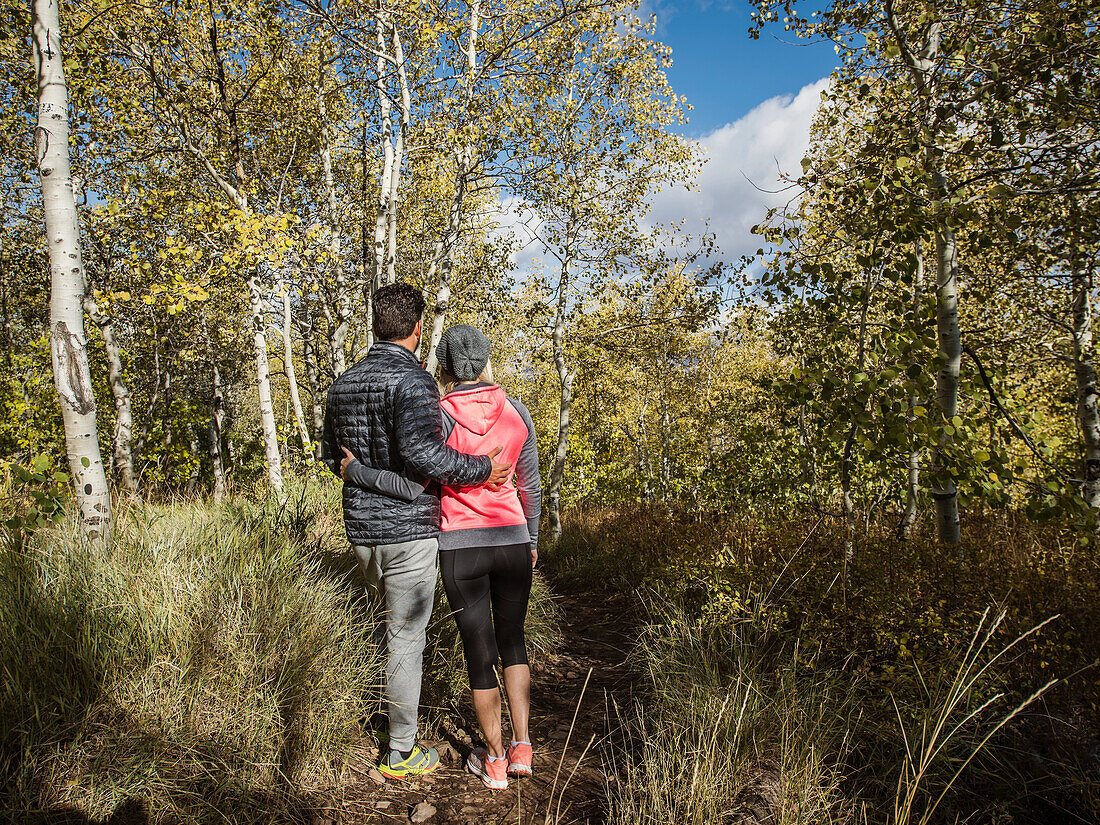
<point x="478" y="419"/>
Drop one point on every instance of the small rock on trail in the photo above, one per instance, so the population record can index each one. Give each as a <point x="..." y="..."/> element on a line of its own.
<point x="422" y="812"/>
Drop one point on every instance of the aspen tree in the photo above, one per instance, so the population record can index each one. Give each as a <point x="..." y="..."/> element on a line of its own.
<point x="175" y="108"/>
<point x="123" y="458"/>
<point x="465" y="164"/>
<point x="598" y="152"/>
<point x="332" y="215"/>
<point x="68" y="345"/>
<point x="288" y="368"/>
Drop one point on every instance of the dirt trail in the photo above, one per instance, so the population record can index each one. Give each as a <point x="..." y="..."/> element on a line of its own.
<point x="596" y="635"/>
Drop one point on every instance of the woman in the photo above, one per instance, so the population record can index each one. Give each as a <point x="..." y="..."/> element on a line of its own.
<point x="488" y="545"/>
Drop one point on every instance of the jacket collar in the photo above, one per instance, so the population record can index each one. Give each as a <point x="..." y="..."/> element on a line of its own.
<point x="390" y="346"/>
<point x="480" y="385"/>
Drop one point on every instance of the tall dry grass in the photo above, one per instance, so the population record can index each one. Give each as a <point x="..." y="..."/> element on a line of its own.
<point x="211" y="665"/>
<point x="206" y="663"/>
<point x="781" y="685"/>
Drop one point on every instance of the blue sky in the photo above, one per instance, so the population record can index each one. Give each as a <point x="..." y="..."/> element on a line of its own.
<point x="754" y="102"/>
<point x="721" y="70"/>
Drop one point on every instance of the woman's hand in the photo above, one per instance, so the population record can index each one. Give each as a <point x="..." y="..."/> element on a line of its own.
<point x="534" y="554"/>
<point x="344" y="462"/>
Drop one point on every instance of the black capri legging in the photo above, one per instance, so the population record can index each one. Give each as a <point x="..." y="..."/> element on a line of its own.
<point x="488" y="589"/>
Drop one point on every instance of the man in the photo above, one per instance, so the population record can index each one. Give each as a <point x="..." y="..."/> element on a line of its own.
<point x="385" y="410"/>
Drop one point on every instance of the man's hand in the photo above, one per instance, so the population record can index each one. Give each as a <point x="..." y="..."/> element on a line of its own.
<point x="500" y="472"/>
<point x="344" y="462"/>
<point x="534" y="554"/>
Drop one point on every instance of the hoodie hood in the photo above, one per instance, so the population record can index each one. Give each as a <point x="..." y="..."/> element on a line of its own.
<point x="477" y="408"/>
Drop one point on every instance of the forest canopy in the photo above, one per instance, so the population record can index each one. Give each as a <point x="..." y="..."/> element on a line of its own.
<point x="914" y="336"/>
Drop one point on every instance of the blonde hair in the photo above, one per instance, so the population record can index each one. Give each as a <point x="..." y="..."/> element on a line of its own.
<point x="448" y="382"/>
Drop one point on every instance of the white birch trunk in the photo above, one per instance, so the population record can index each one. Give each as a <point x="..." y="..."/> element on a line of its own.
<point x="313" y="377"/>
<point x="922" y="68"/>
<point x="912" y="480"/>
<point x="443" y="261"/>
<point x="217" y="417"/>
<point x="217" y="427"/>
<point x="398" y="157"/>
<point x="1088" y="408"/>
<point x="263" y="385"/>
<point x="385" y="134"/>
<point x="68" y="346"/>
<point x="443" y="264"/>
<point x="947" y="381"/>
<point x="365" y="242"/>
<point x="565" y="378"/>
<point x="192" y="485"/>
<point x="335" y="238"/>
<point x="291" y="377"/>
<point x="123" y="458"/>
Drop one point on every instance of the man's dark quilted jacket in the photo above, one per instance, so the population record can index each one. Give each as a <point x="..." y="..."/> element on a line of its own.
<point x="385" y="409"/>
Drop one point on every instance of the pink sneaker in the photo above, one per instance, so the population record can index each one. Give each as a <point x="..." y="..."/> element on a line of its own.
<point x="519" y="759"/>
<point x="493" y="772"/>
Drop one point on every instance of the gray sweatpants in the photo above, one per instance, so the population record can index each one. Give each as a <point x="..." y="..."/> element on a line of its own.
<point x="405" y="574"/>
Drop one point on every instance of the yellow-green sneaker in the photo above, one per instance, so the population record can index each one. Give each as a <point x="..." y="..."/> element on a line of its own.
<point x="420" y="762"/>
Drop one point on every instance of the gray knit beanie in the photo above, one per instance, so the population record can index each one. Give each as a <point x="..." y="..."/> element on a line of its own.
<point x="463" y="352"/>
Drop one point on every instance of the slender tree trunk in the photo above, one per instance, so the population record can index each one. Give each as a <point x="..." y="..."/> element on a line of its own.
<point x="291" y="377"/>
<point x="335" y="237"/>
<point x="947" y="382"/>
<point x="565" y="377"/>
<point x="443" y="262"/>
<point x="166" y="422"/>
<point x="124" y="420"/>
<point x="5" y="316"/>
<point x="1088" y="403"/>
<point x="68" y="346"/>
<point x="398" y="158"/>
<point x="364" y="242"/>
<point x="263" y="386"/>
<point x="192" y="485"/>
<point x="913" y="471"/>
<point x="444" y="258"/>
<point x="217" y="429"/>
<point x="313" y="376"/>
<point x="922" y="69"/>
<point x="385" y="135"/>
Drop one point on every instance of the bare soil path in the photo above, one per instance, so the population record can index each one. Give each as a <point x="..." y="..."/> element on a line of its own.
<point x="597" y="635"/>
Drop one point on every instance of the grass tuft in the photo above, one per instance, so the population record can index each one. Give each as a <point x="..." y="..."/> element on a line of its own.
<point x="209" y="661"/>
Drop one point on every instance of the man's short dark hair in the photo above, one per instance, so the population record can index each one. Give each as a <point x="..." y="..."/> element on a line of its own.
<point x="396" y="309"/>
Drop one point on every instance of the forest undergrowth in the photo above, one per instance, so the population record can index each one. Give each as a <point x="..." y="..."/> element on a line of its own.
<point x="213" y="664"/>
<point x="787" y="685"/>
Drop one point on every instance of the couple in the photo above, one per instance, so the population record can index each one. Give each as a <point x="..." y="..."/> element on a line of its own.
<point x="389" y="437"/>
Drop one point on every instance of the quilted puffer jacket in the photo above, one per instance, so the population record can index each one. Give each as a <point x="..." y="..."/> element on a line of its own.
<point x="385" y="410"/>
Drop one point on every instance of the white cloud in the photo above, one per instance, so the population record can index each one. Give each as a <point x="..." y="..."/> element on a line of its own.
<point x="737" y="186"/>
<point x="740" y="179"/>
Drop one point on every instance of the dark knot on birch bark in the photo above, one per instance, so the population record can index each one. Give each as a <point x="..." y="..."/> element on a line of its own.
<point x="73" y="374"/>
